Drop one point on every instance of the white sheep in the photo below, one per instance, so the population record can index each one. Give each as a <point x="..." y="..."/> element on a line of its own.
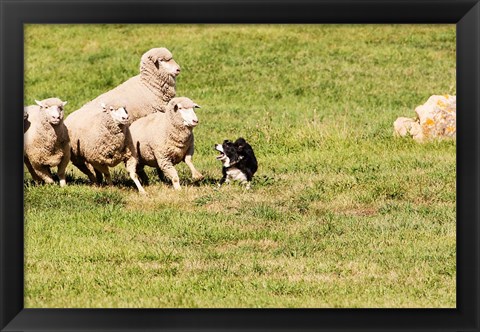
<point x="26" y="123"/>
<point x="46" y="141"/>
<point x="100" y="140"/>
<point x="163" y="140"/>
<point x="148" y="92"/>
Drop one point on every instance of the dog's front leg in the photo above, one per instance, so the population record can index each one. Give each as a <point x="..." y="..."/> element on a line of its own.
<point x="224" y="177"/>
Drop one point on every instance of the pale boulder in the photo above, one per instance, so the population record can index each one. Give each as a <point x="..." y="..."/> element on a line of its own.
<point x="408" y="127"/>
<point x="436" y="119"/>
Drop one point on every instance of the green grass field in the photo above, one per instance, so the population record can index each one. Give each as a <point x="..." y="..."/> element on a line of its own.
<point x="340" y="214"/>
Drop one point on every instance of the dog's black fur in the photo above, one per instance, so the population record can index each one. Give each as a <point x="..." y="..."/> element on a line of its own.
<point x="235" y="156"/>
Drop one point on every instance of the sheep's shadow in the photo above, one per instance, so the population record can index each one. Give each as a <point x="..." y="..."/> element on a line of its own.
<point x="153" y="180"/>
<point x="70" y="179"/>
<point x="206" y="181"/>
<point x="77" y="180"/>
<point x="121" y="180"/>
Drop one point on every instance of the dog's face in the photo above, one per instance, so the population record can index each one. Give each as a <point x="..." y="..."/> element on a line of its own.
<point x="229" y="153"/>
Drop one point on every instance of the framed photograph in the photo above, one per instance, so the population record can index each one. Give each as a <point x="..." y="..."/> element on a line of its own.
<point x="215" y="165"/>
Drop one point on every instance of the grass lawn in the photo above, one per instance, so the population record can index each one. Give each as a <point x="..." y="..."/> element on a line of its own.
<point x="340" y="214"/>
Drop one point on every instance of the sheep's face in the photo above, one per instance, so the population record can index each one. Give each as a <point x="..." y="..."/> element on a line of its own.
<point x="187" y="114"/>
<point x="168" y="65"/>
<point x="54" y="112"/>
<point x="119" y="114"/>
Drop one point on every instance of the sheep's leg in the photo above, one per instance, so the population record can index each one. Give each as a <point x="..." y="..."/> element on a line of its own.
<point x="62" y="167"/>
<point x="34" y="175"/>
<point x="131" y="166"/>
<point x="44" y="173"/>
<point x="161" y="176"/>
<point x="99" y="176"/>
<point x="82" y="166"/>
<point x="196" y="175"/>
<point x="131" y="163"/>
<point x="103" y="170"/>
<point x="141" y="173"/>
<point x="170" y="172"/>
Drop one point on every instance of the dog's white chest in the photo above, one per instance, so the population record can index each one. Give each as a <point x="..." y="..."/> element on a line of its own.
<point x="235" y="174"/>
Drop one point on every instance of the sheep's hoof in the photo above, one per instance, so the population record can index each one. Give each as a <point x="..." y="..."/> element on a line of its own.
<point x="197" y="177"/>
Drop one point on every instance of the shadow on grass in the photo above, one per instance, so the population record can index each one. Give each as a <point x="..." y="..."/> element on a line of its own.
<point x="121" y="180"/>
<point x="206" y="181"/>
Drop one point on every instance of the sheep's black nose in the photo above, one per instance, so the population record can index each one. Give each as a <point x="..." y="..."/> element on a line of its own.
<point x="178" y="71"/>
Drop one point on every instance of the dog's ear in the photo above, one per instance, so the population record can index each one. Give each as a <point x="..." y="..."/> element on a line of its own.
<point x="240" y="142"/>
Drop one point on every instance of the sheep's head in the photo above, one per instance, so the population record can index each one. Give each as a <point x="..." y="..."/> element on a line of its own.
<point x="118" y="113"/>
<point x="163" y="61"/>
<point x="53" y="108"/>
<point x="185" y="108"/>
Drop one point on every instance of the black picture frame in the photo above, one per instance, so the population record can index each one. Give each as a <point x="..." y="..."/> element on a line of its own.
<point x="14" y="13"/>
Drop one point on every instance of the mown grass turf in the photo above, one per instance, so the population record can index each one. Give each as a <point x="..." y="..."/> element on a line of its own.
<point x="341" y="214"/>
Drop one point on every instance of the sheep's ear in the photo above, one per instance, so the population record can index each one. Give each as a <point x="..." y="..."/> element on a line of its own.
<point x="196" y="105"/>
<point x="64" y="103"/>
<point x="39" y="103"/>
<point x="155" y="61"/>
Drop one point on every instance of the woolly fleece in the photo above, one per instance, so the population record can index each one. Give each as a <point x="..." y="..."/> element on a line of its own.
<point x="45" y="145"/>
<point x="162" y="140"/>
<point x="146" y="93"/>
<point x="98" y="141"/>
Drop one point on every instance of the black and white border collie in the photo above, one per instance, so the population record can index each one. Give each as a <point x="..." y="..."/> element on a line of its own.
<point x="239" y="162"/>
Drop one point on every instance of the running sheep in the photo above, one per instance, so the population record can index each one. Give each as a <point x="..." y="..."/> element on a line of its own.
<point x="163" y="140"/>
<point x="100" y="140"/>
<point x="46" y="140"/>
<point x="148" y="92"/>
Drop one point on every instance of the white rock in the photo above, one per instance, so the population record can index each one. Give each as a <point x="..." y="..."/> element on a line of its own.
<point x="436" y="119"/>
